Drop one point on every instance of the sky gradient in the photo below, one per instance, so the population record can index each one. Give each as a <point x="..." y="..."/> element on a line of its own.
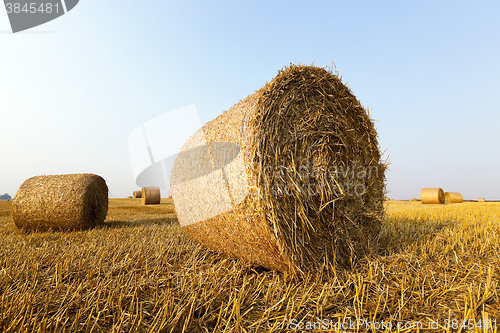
<point x="72" y="90"/>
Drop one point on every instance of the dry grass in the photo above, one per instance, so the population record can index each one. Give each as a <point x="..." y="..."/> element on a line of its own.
<point x="140" y="273"/>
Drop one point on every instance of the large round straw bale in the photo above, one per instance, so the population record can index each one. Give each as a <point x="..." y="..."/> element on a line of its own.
<point x="481" y="200"/>
<point x="432" y="196"/>
<point x="137" y="194"/>
<point x="62" y="202"/>
<point x="290" y="178"/>
<point x="453" y="197"/>
<point x="151" y="195"/>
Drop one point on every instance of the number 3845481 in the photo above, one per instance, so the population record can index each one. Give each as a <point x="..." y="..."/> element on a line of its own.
<point x="31" y="8"/>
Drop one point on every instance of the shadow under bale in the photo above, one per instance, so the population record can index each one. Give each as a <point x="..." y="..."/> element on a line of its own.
<point x="139" y="222"/>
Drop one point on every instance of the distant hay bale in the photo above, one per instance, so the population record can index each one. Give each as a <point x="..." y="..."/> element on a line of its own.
<point x="259" y="181"/>
<point x="453" y="197"/>
<point x="129" y="197"/>
<point x="62" y="202"/>
<point x="481" y="200"/>
<point x="137" y="194"/>
<point x="432" y="196"/>
<point x="414" y="199"/>
<point x="151" y="196"/>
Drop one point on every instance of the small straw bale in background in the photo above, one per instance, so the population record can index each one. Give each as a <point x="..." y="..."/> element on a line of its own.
<point x="62" y="202"/>
<point x="414" y="199"/>
<point x="137" y="194"/>
<point x="151" y="196"/>
<point x="453" y="197"/>
<point x="259" y="182"/>
<point x="481" y="200"/>
<point x="432" y="196"/>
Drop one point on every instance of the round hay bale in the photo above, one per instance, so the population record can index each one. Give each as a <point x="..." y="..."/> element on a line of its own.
<point x="414" y="199"/>
<point x="453" y="197"/>
<point x="137" y="194"/>
<point x="61" y="202"/>
<point x="481" y="200"/>
<point x="151" y="196"/>
<point x="290" y="178"/>
<point x="432" y="196"/>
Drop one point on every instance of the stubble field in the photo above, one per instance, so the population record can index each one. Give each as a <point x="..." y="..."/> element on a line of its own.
<point x="437" y="267"/>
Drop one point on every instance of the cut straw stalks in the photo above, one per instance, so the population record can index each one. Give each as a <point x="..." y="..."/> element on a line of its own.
<point x="274" y="200"/>
<point x="151" y="196"/>
<point x="62" y="202"/>
<point x="432" y="196"/>
<point x="453" y="197"/>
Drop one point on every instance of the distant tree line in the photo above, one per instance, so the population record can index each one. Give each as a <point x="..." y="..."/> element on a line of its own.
<point x="5" y="197"/>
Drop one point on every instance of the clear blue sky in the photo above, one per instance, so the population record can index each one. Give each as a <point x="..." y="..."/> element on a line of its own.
<point x="73" y="89"/>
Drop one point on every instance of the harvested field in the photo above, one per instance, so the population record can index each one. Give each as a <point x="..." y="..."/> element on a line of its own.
<point x="140" y="273"/>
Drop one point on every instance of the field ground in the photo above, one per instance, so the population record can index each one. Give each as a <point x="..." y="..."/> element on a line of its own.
<point x="436" y="265"/>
